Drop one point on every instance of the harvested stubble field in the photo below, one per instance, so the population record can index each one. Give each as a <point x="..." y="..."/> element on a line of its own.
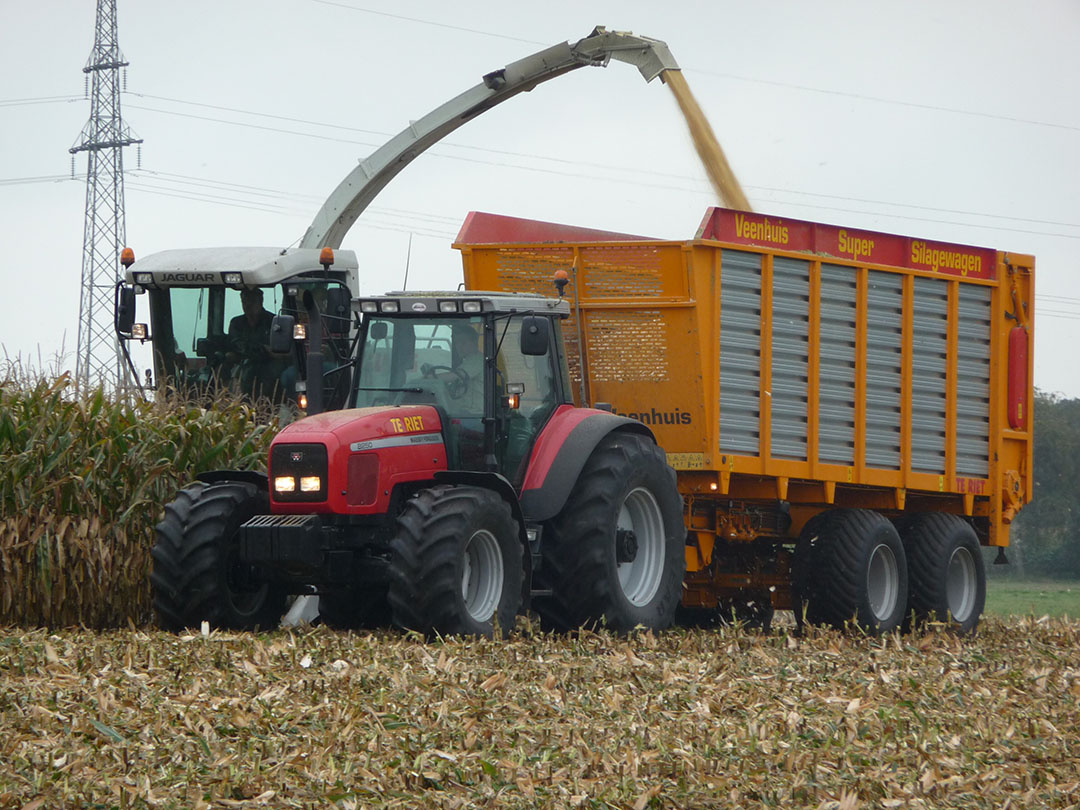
<point x="717" y="718"/>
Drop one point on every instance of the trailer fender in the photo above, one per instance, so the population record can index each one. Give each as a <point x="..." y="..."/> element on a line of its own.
<point x="560" y="453"/>
<point x="240" y="476"/>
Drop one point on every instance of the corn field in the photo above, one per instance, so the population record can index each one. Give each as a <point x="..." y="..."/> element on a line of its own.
<point x="685" y="718"/>
<point x="84" y="477"/>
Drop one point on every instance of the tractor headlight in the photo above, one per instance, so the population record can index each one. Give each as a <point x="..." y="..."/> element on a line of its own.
<point x="389" y="306"/>
<point x="299" y="472"/>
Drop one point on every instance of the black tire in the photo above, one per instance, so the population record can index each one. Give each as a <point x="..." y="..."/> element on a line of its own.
<point x="197" y="575"/>
<point x="625" y="484"/>
<point x="354" y="608"/>
<point x="456" y="564"/>
<point x="947" y="575"/>
<point x="850" y="566"/>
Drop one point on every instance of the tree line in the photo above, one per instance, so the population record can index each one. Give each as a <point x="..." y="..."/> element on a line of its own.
<point x="1046" y="534"/>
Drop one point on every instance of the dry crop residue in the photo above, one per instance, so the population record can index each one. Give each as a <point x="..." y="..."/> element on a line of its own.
<point x="708" y="148"/>
<point x="679" y="719"/>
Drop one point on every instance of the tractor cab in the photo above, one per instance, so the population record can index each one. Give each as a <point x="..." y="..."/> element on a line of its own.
<point x="491" y="364"/>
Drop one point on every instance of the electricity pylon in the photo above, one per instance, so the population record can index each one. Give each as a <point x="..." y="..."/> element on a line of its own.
<point x="103" y="139"/>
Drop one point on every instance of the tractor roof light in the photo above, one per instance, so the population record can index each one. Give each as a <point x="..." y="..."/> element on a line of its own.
<point x="369" y="306"/>
<point x="127" y="257"/>
<point x="145" y="279"/>
<point x="232" y="278"/>
<point x="326" y="257"/>
<point x="471" y="306"/>
<point x="448" y="306"/>
<point x="389" y="306"/>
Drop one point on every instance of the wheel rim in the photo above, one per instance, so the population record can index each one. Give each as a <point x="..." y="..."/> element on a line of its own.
<point x="482" y="576"/>
<point x="640" y="578"/>
<point x="883" y="582"/>
<point x="960" y="584"/>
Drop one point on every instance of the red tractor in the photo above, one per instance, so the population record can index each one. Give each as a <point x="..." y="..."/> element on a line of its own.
<point x="459" y="488"/>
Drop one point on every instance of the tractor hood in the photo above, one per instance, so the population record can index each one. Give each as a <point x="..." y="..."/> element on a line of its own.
<point x="365" y="425"/>
<point x="368" y="452"/>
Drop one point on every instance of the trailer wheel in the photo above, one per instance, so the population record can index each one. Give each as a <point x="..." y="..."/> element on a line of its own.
<point x="615" y="554"/>
<point x="197" y="574"/>
<point x="850" y="565"/>
<point x="456" y="564"/>
<point x="947" y="576"/>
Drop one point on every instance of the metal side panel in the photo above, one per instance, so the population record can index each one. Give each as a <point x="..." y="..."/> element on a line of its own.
<point x="929" y="372"/>
<point x="973" y="381"/>
<point x="884" y="368"/>
<point x="836" y="386"/>
<point x="740" y="353"/>
<point x="790" y="357"/>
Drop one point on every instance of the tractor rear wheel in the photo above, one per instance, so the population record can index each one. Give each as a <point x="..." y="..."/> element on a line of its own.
<point x="946" y="569"/>
<point x="197" y="574"/>
<point x="456" y="564"/>
<point x="615" y="554"/>
<point x="850" y="566"/>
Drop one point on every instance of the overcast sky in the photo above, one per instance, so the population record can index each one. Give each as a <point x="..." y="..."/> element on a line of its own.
<point x="957" y="121"/>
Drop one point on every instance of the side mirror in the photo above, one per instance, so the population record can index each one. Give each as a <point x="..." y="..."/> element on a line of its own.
<point x="535" y="336"/>
<point x="125" y="310"/>
<point x="378" y="330"/>
<point x="281" y="334"/>
<point x="338" y="311"/>
<point x="203" y="347"/>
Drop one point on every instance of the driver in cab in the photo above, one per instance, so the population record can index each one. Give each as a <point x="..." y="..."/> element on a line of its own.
<point x="464" y="381"/>
<point x="249" y="339"/>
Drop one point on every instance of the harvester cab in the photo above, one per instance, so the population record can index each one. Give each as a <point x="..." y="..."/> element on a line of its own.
<point x="217" y="316"/>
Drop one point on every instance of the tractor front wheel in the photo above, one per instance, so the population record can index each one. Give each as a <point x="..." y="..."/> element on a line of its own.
<point x="456" y="563"/>
<point x="197" y="573"/>
<point x="615" y="554"/>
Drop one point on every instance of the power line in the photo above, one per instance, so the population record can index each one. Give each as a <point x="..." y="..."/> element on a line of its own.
<point x="606" y="167"/>
<point x="19" y="102"/>
<point x="242" y="188"/>
<point x="45" y="178"/>
<point x="270" y="208"/>
<point x="737" y="77"/>
<point x="429" y="22"/>
<point x="881" y="100"/>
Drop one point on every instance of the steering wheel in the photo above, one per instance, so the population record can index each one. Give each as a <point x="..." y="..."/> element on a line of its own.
<point x="456" y="386"/>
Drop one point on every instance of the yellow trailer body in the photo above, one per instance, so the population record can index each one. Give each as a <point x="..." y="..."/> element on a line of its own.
<point x="788" y="368"/>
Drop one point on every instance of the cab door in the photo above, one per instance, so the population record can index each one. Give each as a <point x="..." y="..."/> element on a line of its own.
<point x="536" y="377"/>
